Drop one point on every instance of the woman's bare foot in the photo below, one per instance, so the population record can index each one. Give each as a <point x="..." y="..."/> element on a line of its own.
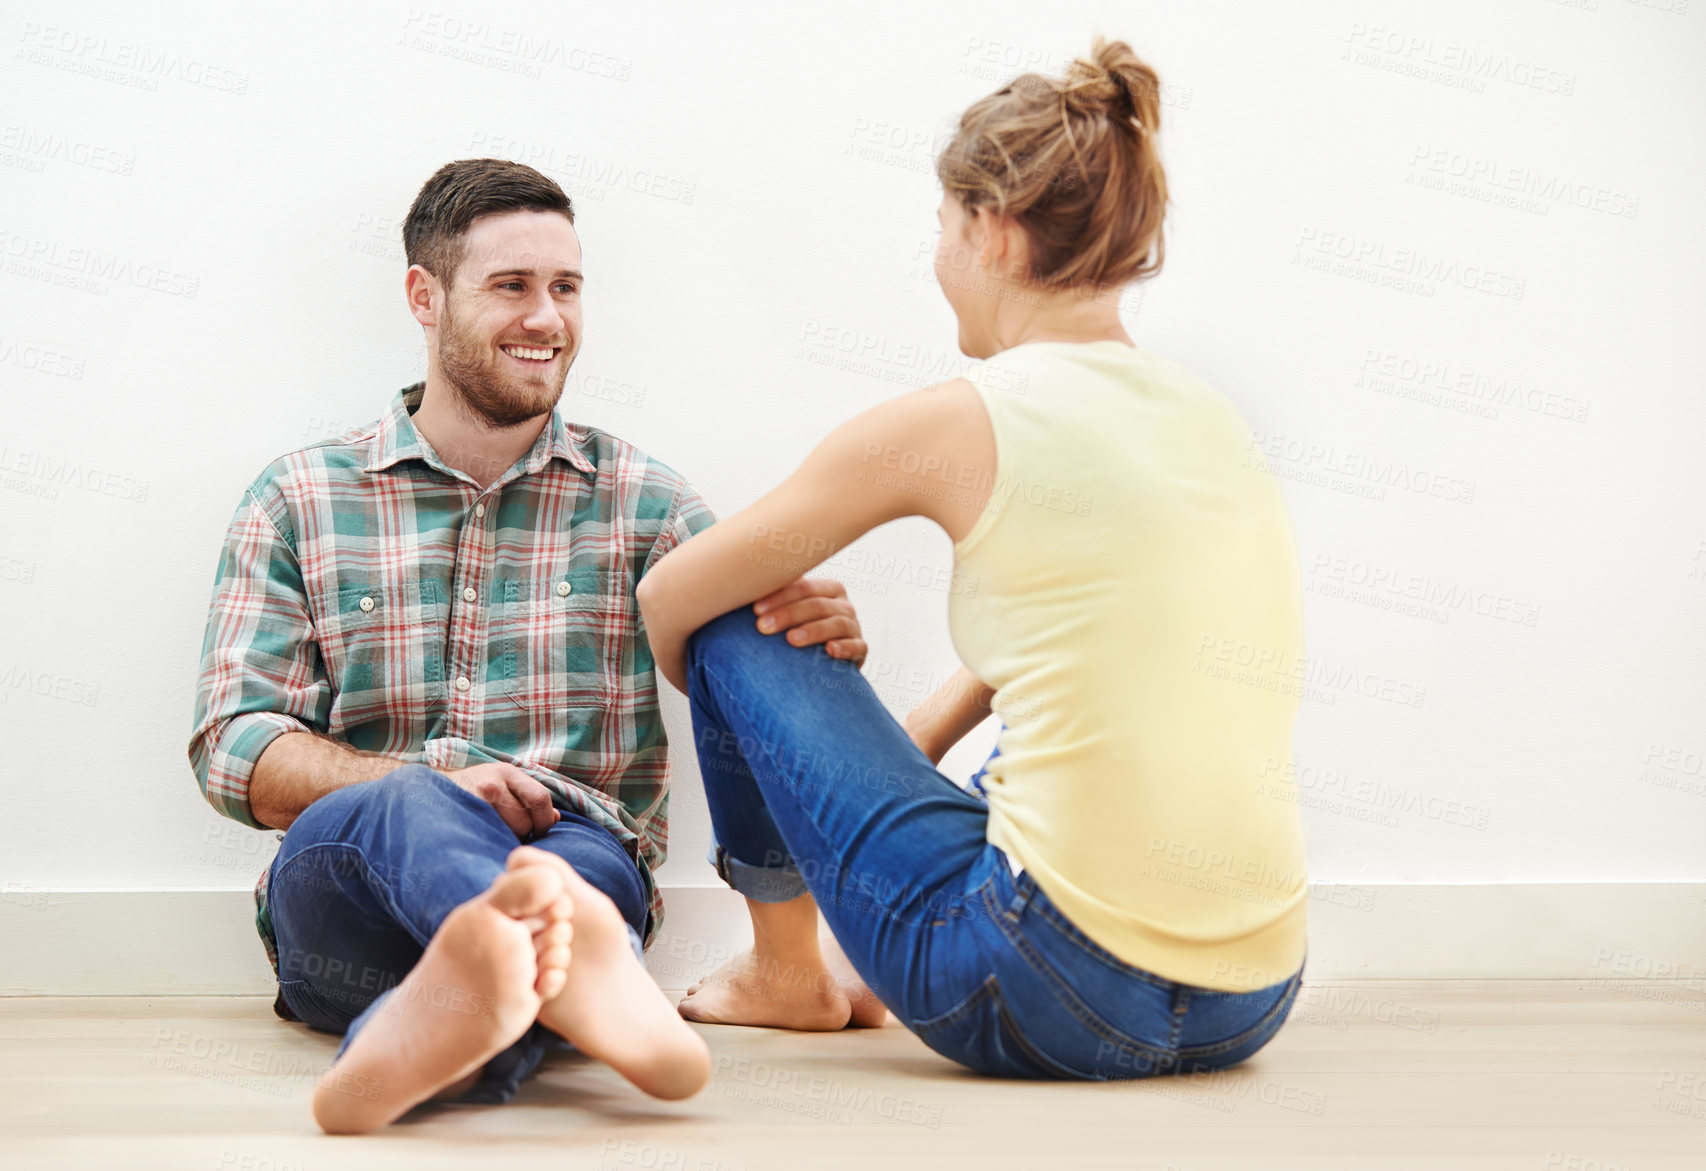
<point x="753" y="989"/>
<point x="611" y="1009"/>
<point x="868" y="1011"/>
<point x="475" y="991"/>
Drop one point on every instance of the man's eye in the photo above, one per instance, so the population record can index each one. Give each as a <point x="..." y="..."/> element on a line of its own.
<point x="565" y="288"/>
<point x="510" y="285"/>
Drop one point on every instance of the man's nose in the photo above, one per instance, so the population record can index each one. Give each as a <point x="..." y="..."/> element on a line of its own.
<point x="543" y="316"/>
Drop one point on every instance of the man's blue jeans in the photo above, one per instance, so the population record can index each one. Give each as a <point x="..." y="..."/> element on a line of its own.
<point x="813" y="786"/>
<point x="365" y="877"/>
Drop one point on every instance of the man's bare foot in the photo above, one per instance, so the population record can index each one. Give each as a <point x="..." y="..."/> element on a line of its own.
<point x="475" y="991"/>
<point x="754" y="989"/>
<point x="610" y="1008"/>
<point x="868" y="1011"/>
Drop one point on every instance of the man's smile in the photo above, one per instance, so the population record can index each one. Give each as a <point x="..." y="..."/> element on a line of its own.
<point x="532" y="355"/>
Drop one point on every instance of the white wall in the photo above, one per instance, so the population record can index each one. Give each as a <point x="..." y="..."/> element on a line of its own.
<point x="247" y="177"/>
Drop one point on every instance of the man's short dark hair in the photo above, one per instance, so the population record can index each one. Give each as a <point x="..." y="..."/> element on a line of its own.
<point x="460" y="193"/>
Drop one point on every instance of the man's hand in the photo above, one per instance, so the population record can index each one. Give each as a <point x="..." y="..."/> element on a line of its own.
<point x="523" y="802"/>
<point x="814" y="610"/>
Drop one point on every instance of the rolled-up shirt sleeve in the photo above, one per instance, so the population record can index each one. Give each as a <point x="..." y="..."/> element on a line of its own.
<point x="261" y="673"/>
<point x="688" y="516"/>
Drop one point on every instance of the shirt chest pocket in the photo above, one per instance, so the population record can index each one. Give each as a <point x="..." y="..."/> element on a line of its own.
<point x="383" y="649"/>
<point x="564" y="641"/>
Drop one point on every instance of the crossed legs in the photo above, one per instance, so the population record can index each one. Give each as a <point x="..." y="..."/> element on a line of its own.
<point x="410" y="898"/>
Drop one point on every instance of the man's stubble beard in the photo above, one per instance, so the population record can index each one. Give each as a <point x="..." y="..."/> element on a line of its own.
<point x="484" y="393"/>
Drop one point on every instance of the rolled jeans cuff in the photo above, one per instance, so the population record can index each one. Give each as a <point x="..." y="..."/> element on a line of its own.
<point x="761" y="884"/>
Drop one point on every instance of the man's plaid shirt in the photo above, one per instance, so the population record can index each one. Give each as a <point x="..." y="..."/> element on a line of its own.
<point x="369" y="593"/>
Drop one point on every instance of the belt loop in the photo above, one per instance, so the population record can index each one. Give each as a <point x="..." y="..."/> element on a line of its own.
<point x="1023" y="888"/>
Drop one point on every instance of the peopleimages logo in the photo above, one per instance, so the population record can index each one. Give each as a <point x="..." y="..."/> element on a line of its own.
<point x="84" y="268"/>
<point x="50" y="472"/>
<point x="1545" y="189"/>
<point x="1470" y="391"/>
<point x="1370" y="472"/>
<point x="1358" y="580"/>
<point x="124" y="62"/>
<point x="42" y="359"/>
<point x="586" y="175"/>
<point x="1413" y="269"/>
<point x="39" y="147"/>
<point x="1466" y="66"/>
<point x="507" y="49"/>
<point x="844" y="348"/>
<point x="1285" y="780"/>
<point x="1237" y="660"/>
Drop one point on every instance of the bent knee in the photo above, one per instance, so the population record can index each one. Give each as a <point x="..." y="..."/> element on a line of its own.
<point x="723" y="631"/>
<point x="405" y="787"/>
<point x="407" y="782"/>
<point x="735" y="637"/>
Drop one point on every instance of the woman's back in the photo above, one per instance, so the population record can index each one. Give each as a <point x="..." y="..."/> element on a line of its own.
<point x="1132" y="592"/>
<point x="1132" y="554"/>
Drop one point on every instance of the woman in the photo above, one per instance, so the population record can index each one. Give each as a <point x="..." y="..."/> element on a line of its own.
<point x="1128" y="897"/>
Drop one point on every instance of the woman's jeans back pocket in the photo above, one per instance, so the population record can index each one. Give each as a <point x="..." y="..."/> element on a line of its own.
<point x="979" y="1033"/>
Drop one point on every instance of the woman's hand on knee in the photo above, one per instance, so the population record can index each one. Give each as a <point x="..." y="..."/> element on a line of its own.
<point x="813" y="610"/>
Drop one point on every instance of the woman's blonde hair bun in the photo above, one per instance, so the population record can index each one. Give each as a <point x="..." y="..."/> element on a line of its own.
<point x="1074" y="160"/>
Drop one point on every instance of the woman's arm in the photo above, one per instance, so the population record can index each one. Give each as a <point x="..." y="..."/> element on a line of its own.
<point x="943" y="720"/>
<point x="929" y="453"/>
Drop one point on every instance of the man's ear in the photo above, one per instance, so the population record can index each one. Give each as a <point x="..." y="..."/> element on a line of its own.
<point x="423" y="294"/>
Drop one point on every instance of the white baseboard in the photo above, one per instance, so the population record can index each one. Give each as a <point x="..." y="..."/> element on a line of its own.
<point x="203" y="943"/>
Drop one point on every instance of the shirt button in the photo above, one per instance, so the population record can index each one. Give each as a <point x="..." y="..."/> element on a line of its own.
<point x="367" y="604"/>
<point x="479" y="510"/>
<point x="462" y="683"/>
<point x="563" y="589"/>
<point x="468" y="594"/>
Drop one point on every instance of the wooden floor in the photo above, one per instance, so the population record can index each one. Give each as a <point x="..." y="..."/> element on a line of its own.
<point x="1543" y="1076"/>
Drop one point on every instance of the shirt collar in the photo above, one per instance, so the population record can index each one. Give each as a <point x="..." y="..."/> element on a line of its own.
<point x="397" y="440"/>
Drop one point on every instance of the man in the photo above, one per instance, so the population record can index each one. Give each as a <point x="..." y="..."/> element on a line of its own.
<point x="423" y="649"/>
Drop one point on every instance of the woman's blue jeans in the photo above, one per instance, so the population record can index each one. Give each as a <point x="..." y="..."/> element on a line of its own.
<point x="366" y="876"/>
<point x="814" y="787"/>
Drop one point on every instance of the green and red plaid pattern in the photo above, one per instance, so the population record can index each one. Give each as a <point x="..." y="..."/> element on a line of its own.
<point x="369" y="593"/>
